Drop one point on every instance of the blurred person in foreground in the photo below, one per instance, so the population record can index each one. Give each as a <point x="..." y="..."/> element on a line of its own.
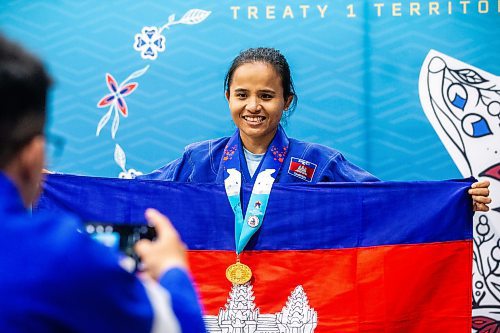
<point x="54" y="278"/>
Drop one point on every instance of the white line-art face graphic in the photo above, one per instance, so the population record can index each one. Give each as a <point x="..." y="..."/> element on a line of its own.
<point x="463" y="105"/>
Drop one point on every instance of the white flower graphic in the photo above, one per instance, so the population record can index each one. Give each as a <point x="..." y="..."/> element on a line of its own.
<point x="149" y="42"/>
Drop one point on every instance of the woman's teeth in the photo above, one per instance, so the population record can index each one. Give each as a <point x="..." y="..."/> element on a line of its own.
<point x="254" y="119"/>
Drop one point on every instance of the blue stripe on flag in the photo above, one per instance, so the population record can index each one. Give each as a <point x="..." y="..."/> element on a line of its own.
<point x="299" y="217"/>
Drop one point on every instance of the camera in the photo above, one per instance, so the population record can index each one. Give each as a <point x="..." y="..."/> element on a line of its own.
<point x="121" y="237"/>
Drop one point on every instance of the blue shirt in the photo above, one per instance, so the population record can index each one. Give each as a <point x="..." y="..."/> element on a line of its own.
<point x="56" y="279"/>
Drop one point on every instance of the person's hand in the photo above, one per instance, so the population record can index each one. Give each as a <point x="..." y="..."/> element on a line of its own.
<point x="480" y="196"/>
<point x="164" y="253"/>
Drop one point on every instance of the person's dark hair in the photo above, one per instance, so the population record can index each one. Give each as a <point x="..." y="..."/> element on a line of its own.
<point x="23" y="90"/>
<point x="272" y="57"/>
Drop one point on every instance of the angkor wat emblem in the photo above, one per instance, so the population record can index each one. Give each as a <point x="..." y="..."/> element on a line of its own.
<point x="241" y="316"/>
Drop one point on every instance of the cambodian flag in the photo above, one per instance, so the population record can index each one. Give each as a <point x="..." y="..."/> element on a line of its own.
<point x="331" y="257"/>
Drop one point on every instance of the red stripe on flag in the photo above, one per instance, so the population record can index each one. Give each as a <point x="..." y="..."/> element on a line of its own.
<point x="404" y="288"/>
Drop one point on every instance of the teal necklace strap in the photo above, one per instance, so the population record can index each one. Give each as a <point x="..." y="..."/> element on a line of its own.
<point x="247" y="226"/>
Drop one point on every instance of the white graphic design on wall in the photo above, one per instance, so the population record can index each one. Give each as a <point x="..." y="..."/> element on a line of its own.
<point x="463" y="105"/>
<point x="149" y="43"/>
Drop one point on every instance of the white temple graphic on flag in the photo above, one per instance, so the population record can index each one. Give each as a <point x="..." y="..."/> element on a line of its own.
<point x="240" y="314"/>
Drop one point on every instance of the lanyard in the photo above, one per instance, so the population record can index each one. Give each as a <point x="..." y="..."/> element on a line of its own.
<point x="246" y="227"/>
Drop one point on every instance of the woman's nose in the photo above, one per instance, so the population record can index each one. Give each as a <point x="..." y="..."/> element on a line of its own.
<point x="253" y="105"/>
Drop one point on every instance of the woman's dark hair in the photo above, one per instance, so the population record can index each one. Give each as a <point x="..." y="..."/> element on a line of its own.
<point x="272" y="57"/>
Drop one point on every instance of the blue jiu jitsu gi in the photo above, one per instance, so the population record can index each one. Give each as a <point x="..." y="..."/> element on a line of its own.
<point x="202" y="162"/>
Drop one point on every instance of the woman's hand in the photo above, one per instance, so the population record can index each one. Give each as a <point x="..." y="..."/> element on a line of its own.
<point x="480" y="195"/>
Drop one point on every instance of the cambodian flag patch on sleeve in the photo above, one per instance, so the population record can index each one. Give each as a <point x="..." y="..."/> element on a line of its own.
<point x="302" y="169"/>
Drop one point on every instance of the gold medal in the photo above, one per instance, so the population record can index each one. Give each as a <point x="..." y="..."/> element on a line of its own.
<point x="238" y="273"/>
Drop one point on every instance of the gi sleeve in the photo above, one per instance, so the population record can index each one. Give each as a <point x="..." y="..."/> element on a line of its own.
<point x="184" y="300"/>
<point x="341" y="170"/>
<point x="178" y="170"/>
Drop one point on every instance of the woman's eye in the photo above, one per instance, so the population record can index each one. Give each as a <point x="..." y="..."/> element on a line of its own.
<point x="241" y="95"/>
<point x="267" y="96"/>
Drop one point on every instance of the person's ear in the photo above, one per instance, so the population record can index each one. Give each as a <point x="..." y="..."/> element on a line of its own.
<point x="31" y="161"/>
<point x="25" y="169"/>
<point x="31" y="155"/>
<point x="227" y="95"/>
<point x="288" y="102"/>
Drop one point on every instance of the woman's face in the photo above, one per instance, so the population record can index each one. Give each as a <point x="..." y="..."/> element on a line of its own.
<point x="256" y="103"/>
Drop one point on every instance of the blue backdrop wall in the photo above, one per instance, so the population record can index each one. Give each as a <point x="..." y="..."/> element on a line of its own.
<point x="355" y="64"/>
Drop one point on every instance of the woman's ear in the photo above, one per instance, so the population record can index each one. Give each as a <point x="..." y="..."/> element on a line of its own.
<point x="288" y="101"/>
<point x="227" y="95"/>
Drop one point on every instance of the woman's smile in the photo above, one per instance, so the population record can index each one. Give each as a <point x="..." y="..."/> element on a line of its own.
<point x="254" y="120"/>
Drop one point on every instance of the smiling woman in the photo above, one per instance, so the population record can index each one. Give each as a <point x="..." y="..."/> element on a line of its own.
<point x="260" y="94"/>
<point x="257" y="103"/>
